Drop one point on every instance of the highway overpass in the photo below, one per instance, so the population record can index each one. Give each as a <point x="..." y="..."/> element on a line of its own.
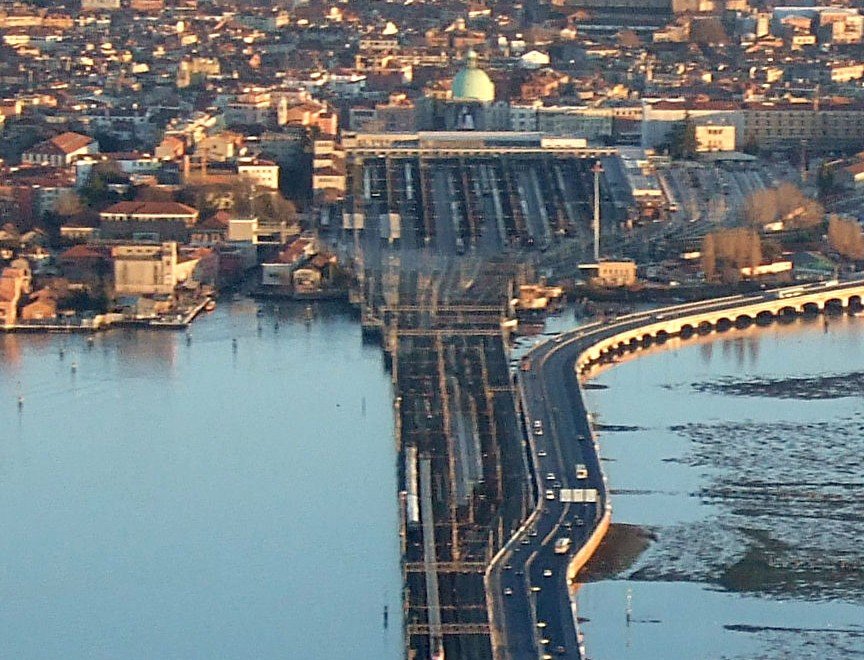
<point x="528" y="583"/>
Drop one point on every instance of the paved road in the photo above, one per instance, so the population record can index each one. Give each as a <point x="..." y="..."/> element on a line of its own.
<point x="527" y="584"/>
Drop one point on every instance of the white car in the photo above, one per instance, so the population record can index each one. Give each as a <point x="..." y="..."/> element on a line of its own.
<point x="508" y="591"/>
<point x="547" y="572"/>
<point x="550" y="494"/>
<point x="581" y="471"/>
<point x="550" y="476"/>
<point x="541" y="453"/>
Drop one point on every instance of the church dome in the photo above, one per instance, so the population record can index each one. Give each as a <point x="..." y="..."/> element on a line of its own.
<point x="472" y="84"/>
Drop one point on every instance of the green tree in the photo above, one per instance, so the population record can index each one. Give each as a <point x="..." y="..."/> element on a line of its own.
<point x="682" y="142"/>
<point x="826" y="181"/>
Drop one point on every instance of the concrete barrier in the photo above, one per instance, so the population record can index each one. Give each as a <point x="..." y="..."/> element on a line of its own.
<point x="577" y="563"/>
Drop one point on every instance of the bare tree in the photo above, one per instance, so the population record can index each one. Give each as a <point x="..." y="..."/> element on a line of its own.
<point x="845" y="236"/>
<point x="68" y="204"/>
<point x="726" y="251"/>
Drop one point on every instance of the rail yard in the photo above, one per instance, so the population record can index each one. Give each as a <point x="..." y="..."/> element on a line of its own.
<point x="477" y="198"/>
<point x="462" y="458"/>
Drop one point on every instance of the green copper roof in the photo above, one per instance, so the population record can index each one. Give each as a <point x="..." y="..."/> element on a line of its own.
<point x="472" y="84"/>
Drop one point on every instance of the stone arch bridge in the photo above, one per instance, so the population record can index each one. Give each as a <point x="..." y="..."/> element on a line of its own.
<point x="641" y="330"/>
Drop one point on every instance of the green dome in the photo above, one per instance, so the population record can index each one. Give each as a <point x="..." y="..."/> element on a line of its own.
<point x="472" y="84"/>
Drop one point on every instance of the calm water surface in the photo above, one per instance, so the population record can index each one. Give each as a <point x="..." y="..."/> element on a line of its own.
<point x="717" y="475"/>
<point x="174" y="500"/>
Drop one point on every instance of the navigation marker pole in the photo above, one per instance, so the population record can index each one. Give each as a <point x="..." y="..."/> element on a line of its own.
<point x="629" y="610"/>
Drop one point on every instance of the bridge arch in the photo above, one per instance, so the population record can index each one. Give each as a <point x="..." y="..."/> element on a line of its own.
<point x="765" y="317"/>
<point x="810" y="308"/>
<point x="833" y="305"/>
<point x="705" y="328"/>
<point x="743" y="321"/>
<point x="686" y="331"/>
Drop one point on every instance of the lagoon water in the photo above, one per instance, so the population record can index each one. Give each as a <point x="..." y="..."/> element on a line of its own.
<point x="167" y="499"/>
<point x="188" y="500"/>
<point x="747" y="465"/>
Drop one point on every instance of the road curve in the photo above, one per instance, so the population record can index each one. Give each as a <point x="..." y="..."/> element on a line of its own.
<point x="527" y="586"/>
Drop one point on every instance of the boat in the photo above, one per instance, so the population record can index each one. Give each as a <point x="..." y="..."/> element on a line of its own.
<point x="210" y="305"/>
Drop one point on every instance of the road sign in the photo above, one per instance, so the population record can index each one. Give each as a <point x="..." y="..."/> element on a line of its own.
<point x="578" y="495"/>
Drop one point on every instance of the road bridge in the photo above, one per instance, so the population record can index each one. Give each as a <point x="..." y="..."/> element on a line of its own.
<point x="527" y="582"/>
<point x="643" y="329"/>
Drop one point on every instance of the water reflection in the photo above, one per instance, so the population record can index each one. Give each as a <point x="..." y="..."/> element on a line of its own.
<point x="749" y="494"/>
<point x="177" y="499"/>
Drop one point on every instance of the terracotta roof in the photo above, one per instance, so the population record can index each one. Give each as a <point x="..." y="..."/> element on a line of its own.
<point x="65" y="142"/>
<point x="7" y="289"/>
<point x="294" y="251"/>
<point x="83" y="252"/>
<point x="695" y="105"/>
<point x="150" y="208"/>
<point x="855" y="168"/>
<point x="212" y="223"/>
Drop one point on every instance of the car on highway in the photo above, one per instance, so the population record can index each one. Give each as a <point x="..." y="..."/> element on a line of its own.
<point x="533" y="532"/>
<point x="534" y="590"/>
<point x="508" y="591"/>
<point x="550" y="476"/>
<point x="581" y="471"/>
<point x="525" y="541"/>
<point x="550" y="494"/>
<point x="541" y="453"/>
<point x="547" y="572"/>
<point x="538" y="424"/>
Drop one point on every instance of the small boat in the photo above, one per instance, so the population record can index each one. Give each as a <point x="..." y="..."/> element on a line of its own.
<point x="210" y="305"/>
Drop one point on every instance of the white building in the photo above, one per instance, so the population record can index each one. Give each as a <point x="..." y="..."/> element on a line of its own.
<point x="262" y="173"/>
<point x="60" y="150"/>
<point x="715" y="137"/>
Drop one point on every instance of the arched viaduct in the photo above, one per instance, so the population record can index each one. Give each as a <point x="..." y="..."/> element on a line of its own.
<point x="685" y="321"/>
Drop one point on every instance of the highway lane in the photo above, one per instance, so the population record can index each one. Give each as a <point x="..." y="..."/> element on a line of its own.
<point x="532" y="575"/>
<point x="529" y="592"/>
